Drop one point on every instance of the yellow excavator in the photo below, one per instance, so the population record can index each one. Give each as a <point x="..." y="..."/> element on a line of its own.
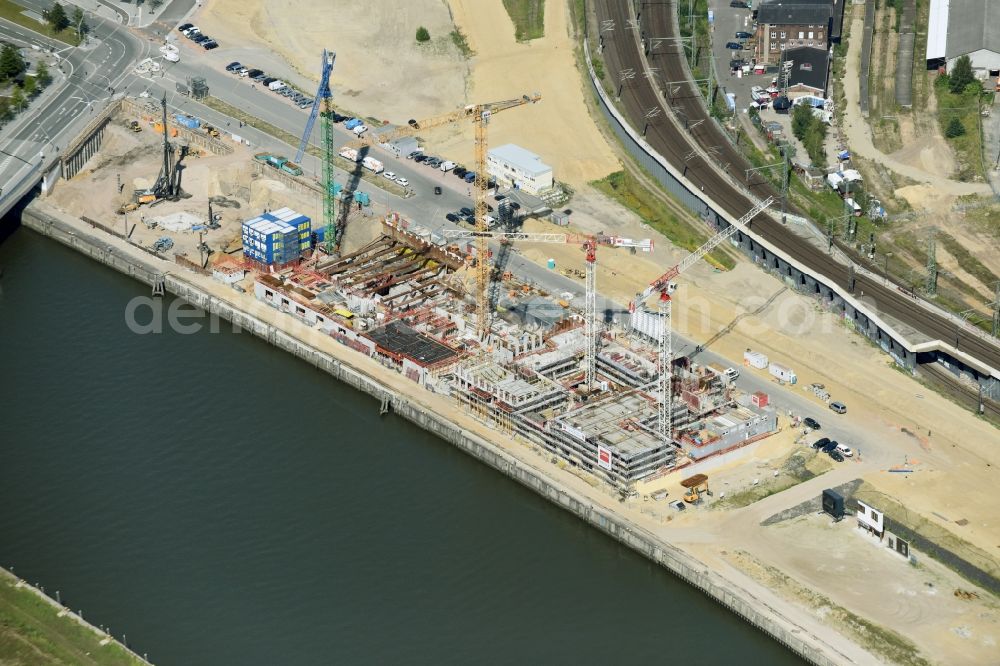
<point x="695" y="486"/>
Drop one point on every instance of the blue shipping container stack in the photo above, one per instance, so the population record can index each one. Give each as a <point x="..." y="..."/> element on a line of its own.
<point x="277" y="237"/>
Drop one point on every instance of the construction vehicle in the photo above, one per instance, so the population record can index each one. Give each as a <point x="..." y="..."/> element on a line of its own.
<point x="665" y="286"/>
<point x="212" y="132"/>
<point x="696" y="485"/>
<point x="589" y="245"/>
<point x="280" y="163"/>
<point x="144" y="197"/>
<point x="479" y="115"/>
<point x="133" y="125"/>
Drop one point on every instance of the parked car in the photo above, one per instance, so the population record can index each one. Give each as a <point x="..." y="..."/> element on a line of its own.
<point x="739" y="5"/>
<point x="388" y="174"/>
<point x="736" y="63"/>
<point x="500" y="197"/>
<point x="198" y="39"/>
<point x="821" y="443"/>
<point x="437" y="189"/>
<point x="844" y="450"/>
<point x="830" y="446"/>
<point x="413" y="154"/>
<point x="255" y="73"/>
<point x="470" y="219"/>
<point x="734" y="46"/>
<point x="460" y="171"/>
<point x="403" y="182"/>
<point x="743" y="34"/>
<point x="451" y="217"/>
<point x="210" y="44"/>
<point x="243" y="71"/>
<point x="268" y="80"/>
<point x="810" y="422"/>
<point x="466" y="211"/>
<point x="260" y="77"/>
<point x="233" y="66"/>
<point x="304" y="103"/>
<point x="184" y="26"/>
<point x="838" y="407"/>
<point x="836" y="456"/>
<point x="420" y="158"/>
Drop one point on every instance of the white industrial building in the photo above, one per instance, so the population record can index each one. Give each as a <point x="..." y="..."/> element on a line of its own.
<point x="513" y="166"/>
<point x="965" y="27"/>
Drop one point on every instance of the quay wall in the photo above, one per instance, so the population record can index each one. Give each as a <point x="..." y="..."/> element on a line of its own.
<point x="736" y="599"/>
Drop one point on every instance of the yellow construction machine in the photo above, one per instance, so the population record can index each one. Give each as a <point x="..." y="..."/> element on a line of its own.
<point x="133" y="125"/>
<point x="695" y="486"/>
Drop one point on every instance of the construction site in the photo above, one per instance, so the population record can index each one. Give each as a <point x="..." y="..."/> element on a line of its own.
<point x="440" y="307"/>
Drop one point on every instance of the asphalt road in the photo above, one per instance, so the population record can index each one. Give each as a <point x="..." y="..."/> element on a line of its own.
<point x="622" y="52"/>
<point x="80" y="82"/>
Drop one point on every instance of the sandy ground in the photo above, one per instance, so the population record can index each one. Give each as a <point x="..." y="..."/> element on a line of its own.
<point x="858" y="134"/>
<point x="381" y="71"/>
<point x="559" y="128"/>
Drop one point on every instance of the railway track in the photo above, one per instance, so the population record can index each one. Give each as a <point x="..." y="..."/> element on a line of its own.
<point x="943" y="381"/>
<point x="691" y="150"/>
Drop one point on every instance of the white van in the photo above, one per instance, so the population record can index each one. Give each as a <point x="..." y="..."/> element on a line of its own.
<point x="360" y="129"/>
<point x="844" y="450"/>
<point x="731" y="374"/>
<point x="447" y="166"/>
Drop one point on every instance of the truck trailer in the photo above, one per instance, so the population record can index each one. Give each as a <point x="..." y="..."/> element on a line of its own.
<point x="754" y="359"/>
<point x="782" y="372"/>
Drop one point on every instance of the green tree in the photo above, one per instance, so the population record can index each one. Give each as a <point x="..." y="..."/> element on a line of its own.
<point x="802" y="120"/>
<point x="42" y="75"/>
<point x="30" y="87"/>
<point x="423" y="35"/>
<point x="17" y="100"/>
<point x="961" y="75"/>
<point x="11" y="62"/>
<point x="955" y="128"/>
<point x="6" y="114"/>
<point x="79" y="23"/>
<point x="56" y="17"/>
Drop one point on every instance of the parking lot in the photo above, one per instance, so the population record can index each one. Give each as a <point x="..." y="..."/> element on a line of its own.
<point x="729" y="21"/>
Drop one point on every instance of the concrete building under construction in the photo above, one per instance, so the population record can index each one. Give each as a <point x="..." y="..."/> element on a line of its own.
<point x="401" y="299"/>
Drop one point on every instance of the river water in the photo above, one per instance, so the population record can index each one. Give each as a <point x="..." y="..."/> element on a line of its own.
<point x="220" y="502"/>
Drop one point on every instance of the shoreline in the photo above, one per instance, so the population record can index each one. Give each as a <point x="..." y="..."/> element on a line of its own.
<point x="288" y="334"/>
<point x="63" y="611"/>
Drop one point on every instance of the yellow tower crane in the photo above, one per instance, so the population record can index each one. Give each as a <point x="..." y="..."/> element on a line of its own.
<point x="480" y="115"/>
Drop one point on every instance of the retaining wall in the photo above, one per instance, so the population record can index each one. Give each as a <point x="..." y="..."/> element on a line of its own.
<point x="736" y="599"/>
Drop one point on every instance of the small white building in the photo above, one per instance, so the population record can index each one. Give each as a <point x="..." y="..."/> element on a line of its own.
<point x="513" y="166"/>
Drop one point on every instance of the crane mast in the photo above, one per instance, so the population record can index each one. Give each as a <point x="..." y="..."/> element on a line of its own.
<point x="323" y="106"/>
<point x="664" y="331"/>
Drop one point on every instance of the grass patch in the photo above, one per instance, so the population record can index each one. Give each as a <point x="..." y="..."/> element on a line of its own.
<point x="32" y="633"/>
<point x="892" y="646"/>
<point x="799" y="466"/>
<point x="968" y="262"/>
<point x="458" y="38"/>
<point x="13" y="13"/>
<point x="528" y="17"/>
<point x="292" y="140"/>
<point x="624" y="189"/>
<point x="963" y="106"/>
